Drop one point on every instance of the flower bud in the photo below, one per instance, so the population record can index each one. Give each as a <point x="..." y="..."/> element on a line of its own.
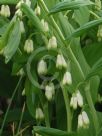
<point x="37" y="10"/>
<point x="39" y="115"/>
<point x="22" y="27"/>
<point x="61" y="62"/>
<point x="23" y="92"/>
<point x="5" y="11"/>
<point x="19" y="4"/>
<point x="80" y="121"/>
<point x="79" y="99"/>
<point x="28" y="47"/>
<point x="67" y="79"/>
<point x="42" y="67"/>
<point x="85" y="118"/>
<point x="52" y="44"/>
<point x="19" y="13"/>
<point x="20" y="72"/>
<point x="49" y="91"/>
<point x="28" y="3"/>
<point x="98" y="4"/>
<point x="45" y="25"/>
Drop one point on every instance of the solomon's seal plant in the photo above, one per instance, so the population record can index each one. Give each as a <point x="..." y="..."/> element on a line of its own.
<point x="51" y="56"/>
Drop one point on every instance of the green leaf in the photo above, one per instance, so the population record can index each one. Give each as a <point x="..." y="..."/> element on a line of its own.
<point x="8" y="1"/>
<point x="51" y="132"/>
<point x="96" y="69"/>
<point x="69" y="5"/>
<point x="85" y="27"/>
<point x="13" y="42"/>
<point x="31" y="15"/>
<point x="82" y="15"/>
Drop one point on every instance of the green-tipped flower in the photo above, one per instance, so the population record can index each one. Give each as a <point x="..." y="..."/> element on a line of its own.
<point x="76" y="100"/>
<point x="19" y="13"/>
<point x="42" y="67"/>
<point x="22" y="27"/>
<point x="52" y="44"/>
<point x="28" y="47"/>
<point x="49" y="91"/>
<point x="39" y="115"/>
<point x="19" y="4"/>
<point x="5" y="11"/>
<point x="67" y="79"/>
<point x="37" y="10"/>
<point x="60" y="62"/>
<point x="83" y="120"/>
<point x="45" y="25"/>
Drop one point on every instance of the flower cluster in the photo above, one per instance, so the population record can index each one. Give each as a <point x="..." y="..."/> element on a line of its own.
<point x="39" y="115"/>
<point x="5" y="11"/>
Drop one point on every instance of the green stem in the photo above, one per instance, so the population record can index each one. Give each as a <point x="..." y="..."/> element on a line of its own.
<point x="21" y="118"/>
<point x="93" y="111"/>
<point x="94" y="14"/>
<point x="5" y="117"/>
<point x="68" y="111"/>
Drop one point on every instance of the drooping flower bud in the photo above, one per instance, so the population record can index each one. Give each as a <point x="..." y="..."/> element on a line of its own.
<point x="49" y="91"/>
<point x="80" y="121"/>
<point x="42" y="67"/>
<point x="28" y="47"/>
<point x="19" y="13"/>
<point x="22" y="27"/>
<point x="52" y="44"/>
<point x="79" y="99"/>
<point x="28" y="3"/>
<point x="45" y="25"/>
<point x="61" y="63"/>
<point x="85" y="119"/>
<point x="76" y="100"/>
<point x="5" y="11"/>
<point x="37" y="10"/>
<point x="67" y="79"/>
<point x="20" y="72"/>
<point x="23" y="92"/>
<point x="19" y="4"/>
<point x="39" y="115"/>
<point x="98" y="4"/>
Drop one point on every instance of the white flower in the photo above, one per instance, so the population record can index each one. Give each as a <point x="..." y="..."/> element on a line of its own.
<point x="45" y="25"/>
<point x="5" y="11"/>
<point x="18" y="13"/>
<point x="76" y="100"/>
<point x="42" y="67"/>
<point x="85" y="118"/>
<point x="22" y="27"/>
<point x="79" y="98"/>
<point x="60" y="62"/>
<point x="67" y="79"/>
<point x="37" y="10"/>
<point x="49" y="91"/>
<point x="52" y="44"/>
<point x="39" y="115"/>
<point x="28" y="47"/>
<point x="19" y="4"/>
<point x="28" y="3"/>
<point x="80" y="121"/>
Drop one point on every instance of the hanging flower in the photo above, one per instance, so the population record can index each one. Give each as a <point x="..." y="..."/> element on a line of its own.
<point x="52" y="44"/>
<point x="42" y="67"/>
<point x="28" y="47"/>
<point x="60" y="62"/>
<point x="67" y="79"/>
